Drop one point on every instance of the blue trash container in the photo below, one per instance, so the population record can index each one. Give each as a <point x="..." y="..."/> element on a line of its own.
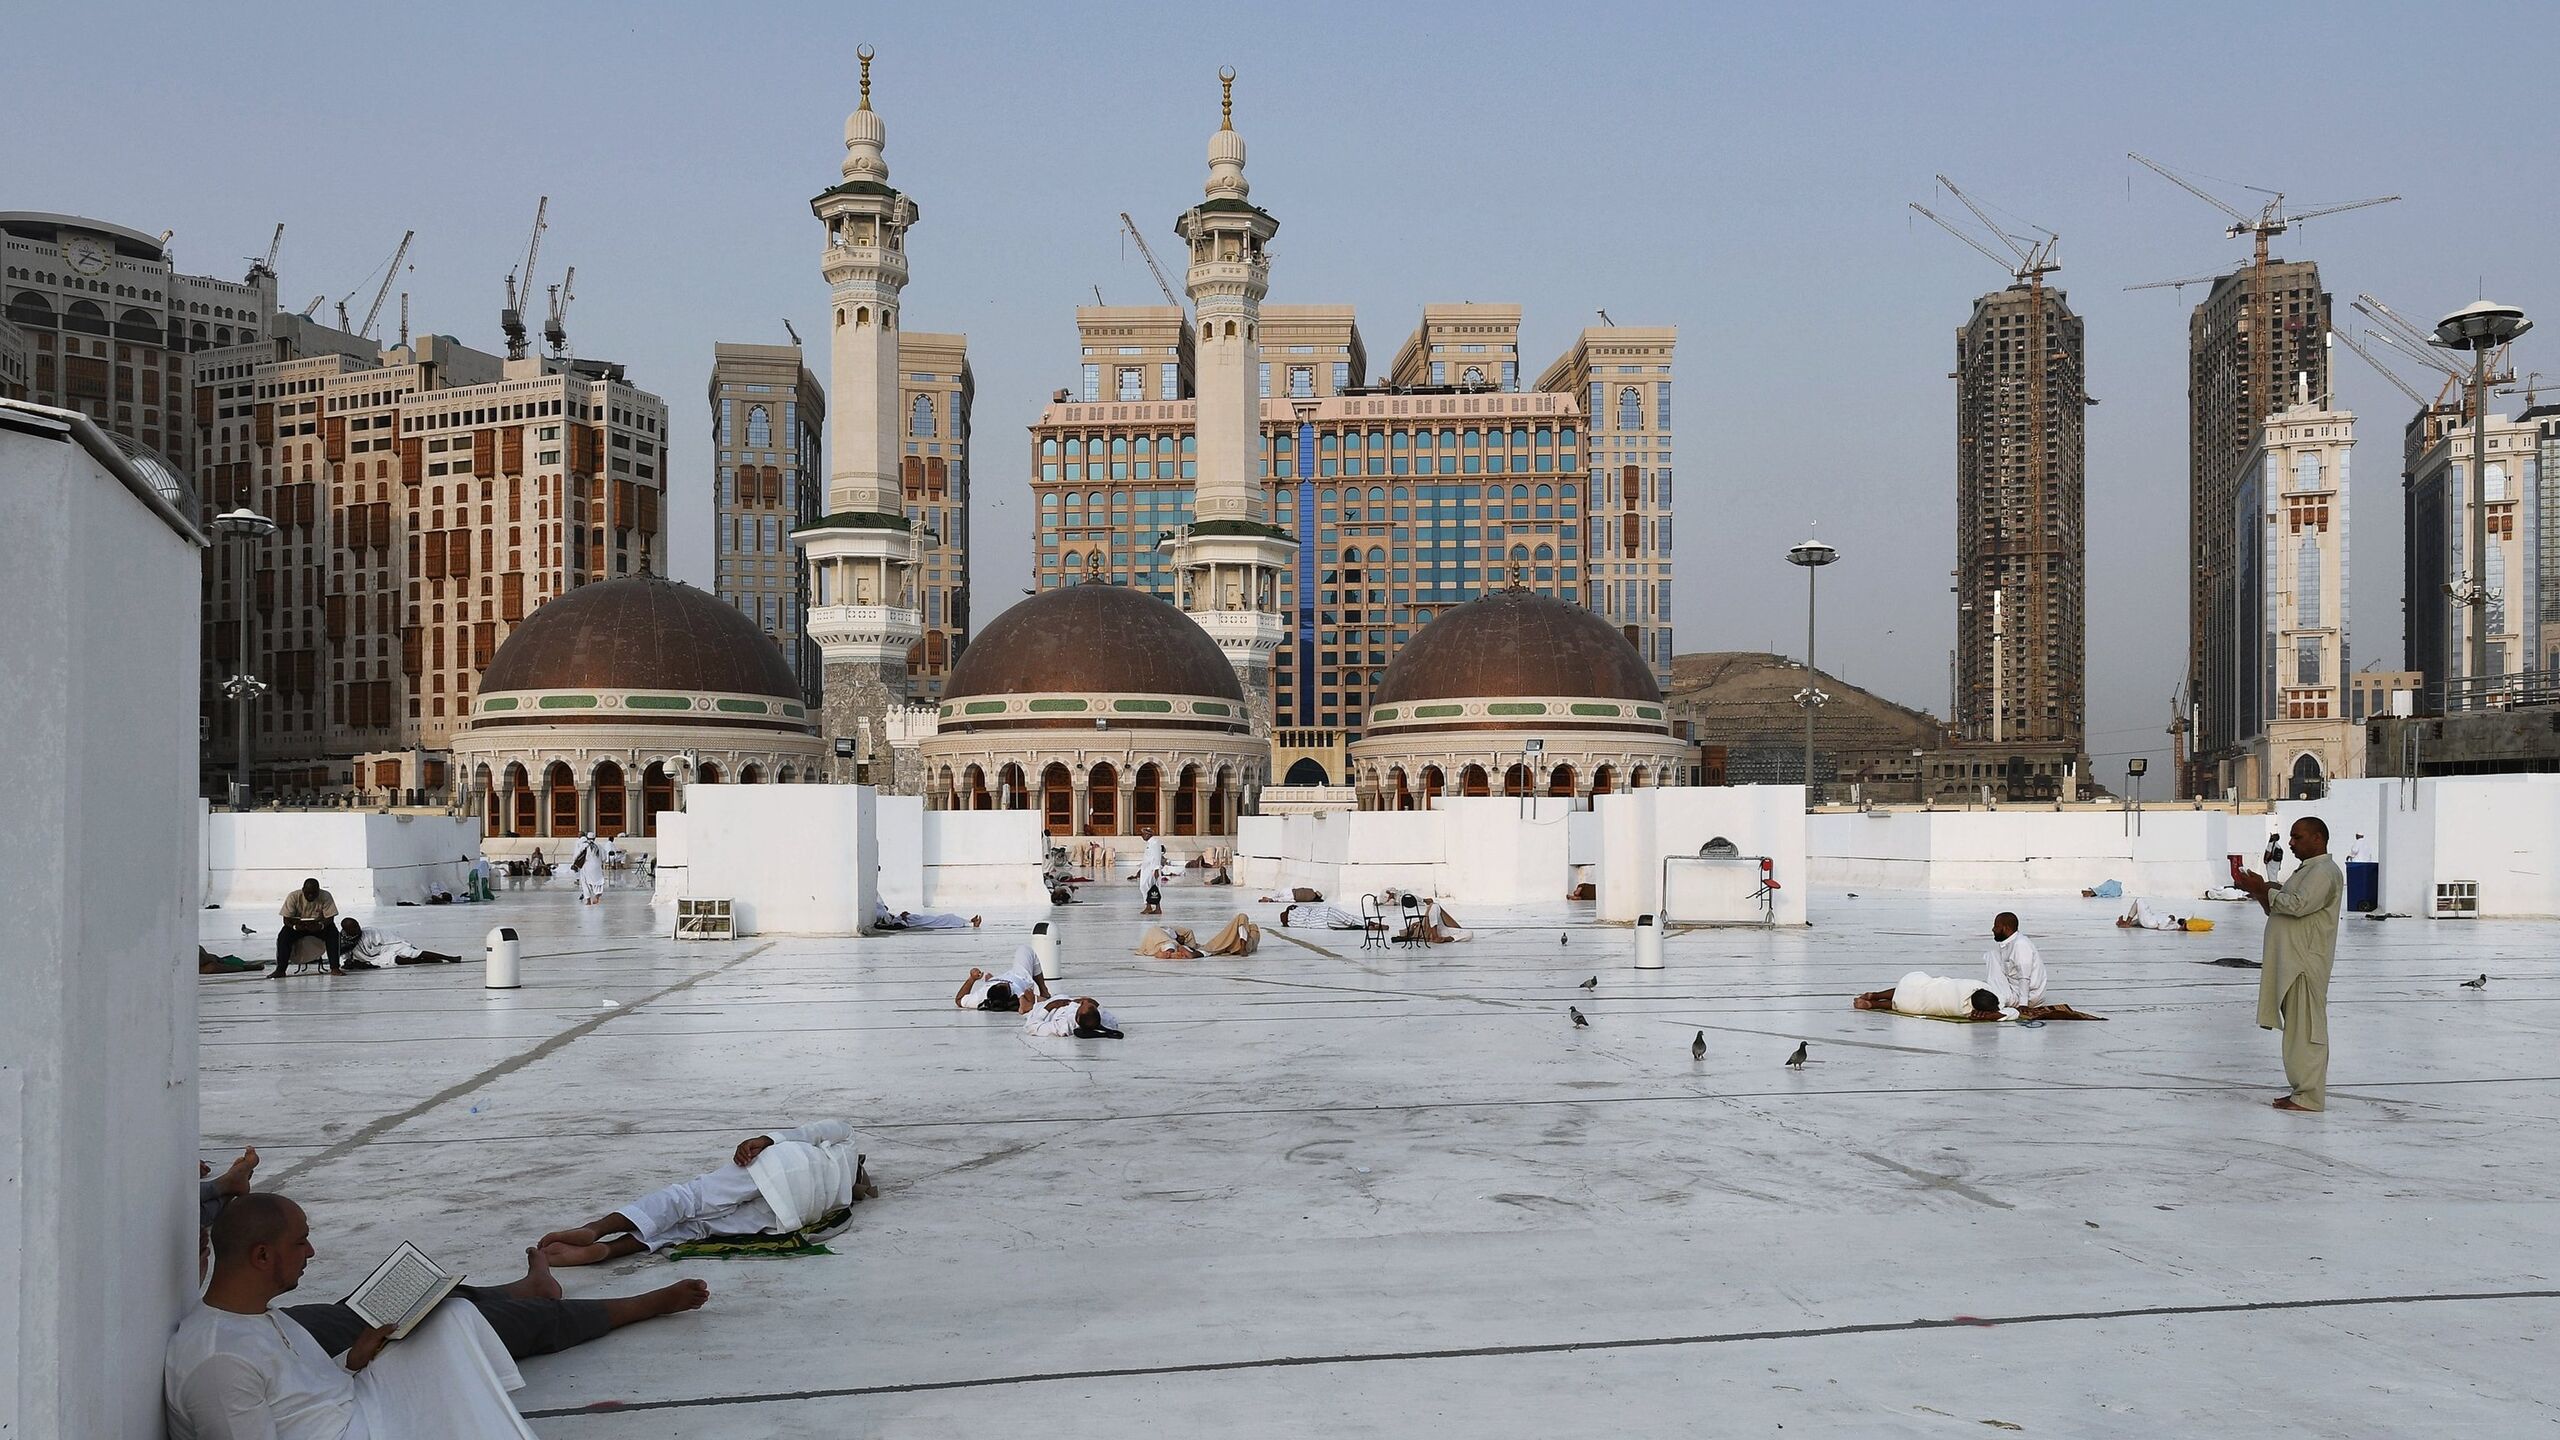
<point x="2364" y="885"/>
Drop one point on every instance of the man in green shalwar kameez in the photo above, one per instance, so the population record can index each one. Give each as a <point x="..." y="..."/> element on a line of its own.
<point x="2302" y="941"/>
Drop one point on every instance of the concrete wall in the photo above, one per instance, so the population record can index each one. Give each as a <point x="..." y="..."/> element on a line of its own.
<point x="898" y="830"/>
<point x="1638" y="828"/>
<point x="976" y="858"/>
<point x="2177" y="853"/>
<point x="796" y="859"/>
<point x="99" y="878"/>
<point x="366" y="862"/>
<point x="2501" y="832"/>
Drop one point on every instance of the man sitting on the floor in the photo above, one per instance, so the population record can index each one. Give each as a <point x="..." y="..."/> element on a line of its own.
<point x="773" y="1185"/>
<point x="2011" y="968"/>
<point x="308" y="911"/>
<point x="1921" y="993"/>
<point x="1436" y="926"/>
<point x="373" y="949"/>
<point x="1016" y="990"/>
<point x="1319" y="915"/>
<point x="1082" y="1017"/>
<point x="234" y="1370"/>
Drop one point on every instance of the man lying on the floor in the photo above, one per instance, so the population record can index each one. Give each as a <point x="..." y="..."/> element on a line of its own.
<point x="1319" y="915"/>
<point x="377" y="948"/>
<point x="1016" y="990"/>
<point x="1239" y="937"/>
<point x="2143" y="915"/>
<point x="773" y="1184"/>
<point x="884" y="918"/>
<point x="1081" y="1017"/>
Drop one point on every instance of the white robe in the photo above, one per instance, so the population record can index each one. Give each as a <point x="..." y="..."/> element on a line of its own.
<point x="227" y="1376"/>
<point x="384" y="948"/>
<point x="2361" y="852"/>
<point x="1060" y="1020"/>
<point x="589" y="870"/>
<point x="1921" y="993"/>
<point x="2014" y="971"/>
<point x="2149" y="918"/>
<point x="1151" y="865"/>
<point x="1319" y="915"/>
<point x="927" y="920"/>
<point x="737" y="1200"/>
<point x="1019" y="978"/>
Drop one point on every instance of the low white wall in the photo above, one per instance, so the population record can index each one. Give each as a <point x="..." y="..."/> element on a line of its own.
<point x="1497" y="851"/>
<point x="1639" y="828"/>
<point x="366" y="862"/>
<point x="669" y="880"/>
<point x="980" y="857"/>
<point x="2177" y="853"/>
<point x="2500" y="832"/>
<point x="898" y="823"/>
<point x="794" y="859"/>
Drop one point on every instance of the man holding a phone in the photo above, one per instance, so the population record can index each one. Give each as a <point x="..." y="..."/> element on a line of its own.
<point x="2301" y="944"/>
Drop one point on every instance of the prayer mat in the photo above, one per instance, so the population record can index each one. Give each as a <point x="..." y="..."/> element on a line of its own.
<point x="2041" y="1012"/>
<point x="2234" y="962"/>
<point x="807" y="1240"/>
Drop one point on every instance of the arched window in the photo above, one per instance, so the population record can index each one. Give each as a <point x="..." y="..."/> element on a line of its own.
<point x="2306" y="584"/>
<point x="759" y="427"/>
<point x="1630" y="409"/>
<point x="1472" y="375"/>
<point x="920" y="415"/>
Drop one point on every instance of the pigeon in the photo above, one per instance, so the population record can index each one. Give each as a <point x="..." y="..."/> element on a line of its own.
<point x="1578" y="1022"/>
<point x="2480" y="984"/>
<point x="245" y="930"/>
<point x="1795" y="1061"/>
<point x="1698" y="1047"/>
<point x="1591" y="984"/>
<point x="1563" y="939"/>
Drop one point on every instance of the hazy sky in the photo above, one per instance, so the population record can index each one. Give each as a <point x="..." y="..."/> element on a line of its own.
<point x="1741" y="173"/>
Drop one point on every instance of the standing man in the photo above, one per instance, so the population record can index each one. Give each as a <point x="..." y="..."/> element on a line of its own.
<point x="2273" y="859"/>
<point x="2302" y="942"/>
<point x="307" y="911"/>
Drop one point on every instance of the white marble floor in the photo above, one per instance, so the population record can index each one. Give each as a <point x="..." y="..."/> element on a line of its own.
<point x="1330" y="1191"/>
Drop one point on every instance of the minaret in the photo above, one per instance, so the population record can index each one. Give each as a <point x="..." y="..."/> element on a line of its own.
<point x="1232" y="557"/>
<point x="862" y="552"/>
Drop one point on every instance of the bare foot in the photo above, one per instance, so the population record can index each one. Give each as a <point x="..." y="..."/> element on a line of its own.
<point x="563" y="1254"/>
<point x="863" y="1187"/>
<point x="973" y="922"/>
<point x="537" y="1283"/>
<point x="677" y="1298"/>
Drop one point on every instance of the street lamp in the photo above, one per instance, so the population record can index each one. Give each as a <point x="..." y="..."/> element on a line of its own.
<point x="1812" y="555"/>
<point x="248" y="527"/>
<point x="2480" y="327"/>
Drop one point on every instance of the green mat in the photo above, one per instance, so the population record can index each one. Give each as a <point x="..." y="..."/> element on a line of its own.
<point x="807" y="1240"/>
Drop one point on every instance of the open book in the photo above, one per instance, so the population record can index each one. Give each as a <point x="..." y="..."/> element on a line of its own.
<point x="402" y="1291"/>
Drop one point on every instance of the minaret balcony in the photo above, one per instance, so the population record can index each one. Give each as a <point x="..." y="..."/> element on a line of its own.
<point x="877" y="262"/>
<point x="862" y="631"/>
<point x="1230" y="273"/>
<point x="1256" y="632"/>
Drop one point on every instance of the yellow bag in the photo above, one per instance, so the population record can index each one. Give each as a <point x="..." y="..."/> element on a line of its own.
<point x="2199" y="926"/>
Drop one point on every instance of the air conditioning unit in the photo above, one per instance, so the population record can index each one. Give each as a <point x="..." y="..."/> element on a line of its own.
<point x="2457" y="899"/>
<point x="704" y="920"/>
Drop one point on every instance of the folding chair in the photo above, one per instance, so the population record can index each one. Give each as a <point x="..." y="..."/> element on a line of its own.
<point x="1410" y="907"/>
<point x="1373" y="923"/>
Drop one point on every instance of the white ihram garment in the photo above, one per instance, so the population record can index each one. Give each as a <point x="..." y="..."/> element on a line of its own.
<point x="1921" y="993"/>
<point x="1320" y="915"/>
<point x="1061" y="1021"/>
<point x="589" y="870"/>
<point x="229" y="1376"/>
<point x="801" y="1176"/>
<point x="2150" y="918"/>
<point x="1019" y="978"/>
<point x="1151" y="867"/>
<point x="2014" y="971"/>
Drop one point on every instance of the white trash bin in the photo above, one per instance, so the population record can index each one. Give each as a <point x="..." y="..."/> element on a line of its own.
<point x="1045" y="945"/>
<point x="505" y="960"/>
<point x="1648" y="943"/>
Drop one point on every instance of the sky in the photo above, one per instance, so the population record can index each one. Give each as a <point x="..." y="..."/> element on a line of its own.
<point x="1740" y="172"/>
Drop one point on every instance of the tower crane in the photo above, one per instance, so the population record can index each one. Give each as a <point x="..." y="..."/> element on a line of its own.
<point x="519" y="294"/>
<point x="2416" y="397"/>
<point x="1152" y="267"/>
<point x="555" y="326"/>
<point x="390" y="273"/>
<point x="788" y="329"/>
<point x="267" y="267"/>
<point x="315" y="304"/>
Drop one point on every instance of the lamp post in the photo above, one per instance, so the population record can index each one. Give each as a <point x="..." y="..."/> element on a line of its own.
<point x="1812" y="555"/>
<point x="2480" y="327"/>
<point x="248" y="527"/>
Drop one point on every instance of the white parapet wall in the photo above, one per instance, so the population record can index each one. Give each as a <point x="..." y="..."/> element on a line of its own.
<point x="1640" y="829"/>
<point x="978" y="858"/>
<point x="366" y="862"/>
<point x="898" y="838"/>
<point x="99" y="878"/>
<point x="2493" y="835"/>
<point x="792" y="859"/>
<point x="2161" y="853"/>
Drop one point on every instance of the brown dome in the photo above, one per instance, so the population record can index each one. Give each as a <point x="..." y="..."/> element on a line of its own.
<point x="1518" y="642"/>
<point x="1093" y="639"/>
<point x="642" y="632"/>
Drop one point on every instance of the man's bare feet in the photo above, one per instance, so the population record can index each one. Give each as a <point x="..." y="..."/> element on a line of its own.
<point x="973" y="922"/>
<point x="2285" y="1102"/>
<point x="863" y="1188"/>
<point x="681" y="1296"/>
<point x="537" y="1283"/>
<point x="563" y="1253"/>
<point x="235" y="1180"/>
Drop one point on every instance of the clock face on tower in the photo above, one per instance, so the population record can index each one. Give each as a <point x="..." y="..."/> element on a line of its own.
<point x="85" y="254"/>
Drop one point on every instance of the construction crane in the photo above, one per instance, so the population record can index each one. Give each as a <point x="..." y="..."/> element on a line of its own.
<point x="555" y="325"/>
<point x="315" y="304"/>
<point x="1152" y="267"/>
<point x="1605" y="320"/>
<point x="2027" y="265"/>
<point x="2416" y="397"/>
<point x="390" y="273"/>
<point x="519" y="293"/>
<point x="267" y="267"/>
<point x="788" y="330"/>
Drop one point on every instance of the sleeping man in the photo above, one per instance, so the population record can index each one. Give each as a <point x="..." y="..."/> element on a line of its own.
<point x="773" y="1184"/>
<point x="1082" y="1017"/>
<point x="1921" y="993"/>
<point x="1016" y="990"/>
<point x="1319" y="915"/>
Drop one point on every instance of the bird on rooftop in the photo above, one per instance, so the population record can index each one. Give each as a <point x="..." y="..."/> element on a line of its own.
<point x="1698" y="1046"/>
<point x="1795" y="1061"/>
<point x="245" y="930"/>
<point x="1591" y="984"/>
<point x="1563" y="939"/>
<point x="1578" y="1022"/>
<point x="2480" y="984"/>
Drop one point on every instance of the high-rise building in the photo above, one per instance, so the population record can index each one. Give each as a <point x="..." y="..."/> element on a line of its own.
<point x="768" y="414"/>
<point x="1473" y="347"/>
<point x="2274" y="714"/>
<point x="2021" y="547"/>
<point x="425" y="503"/>
<point x="2542" y="491"/>
<point x="864" y="550"/>
<point x="1133" y="352"/>
<point x="2438" y="521"/>
<point x="2262" y="331"/>
<point x="1311" y="352"/>
<point x="1623" y="375"/>
<point x="936" y="391"/>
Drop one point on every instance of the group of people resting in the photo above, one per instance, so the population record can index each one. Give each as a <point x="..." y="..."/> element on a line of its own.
<point x="1431" y="923"/>
<point x="1022" y="990"/>
<point x="311" y="913"/>
<point x="2011" y="988"/>
<point x="241" y="1366"/>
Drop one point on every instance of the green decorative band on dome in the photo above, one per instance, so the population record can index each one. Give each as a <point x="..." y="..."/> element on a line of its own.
<point x="658" y="702"/>
<point x="794" y="711"/>
<point x="1040" y="705"/>
<point x="1212" y="707"/>
<point x="743" y="707"/>
<point x="980" y="707"/>
<point x="1434" y="712"/>
<point x="566" y="702"/>
<point x="1587" y="708"/>
<point x="499" y="702"/>
<point x="1054" y="710"/>
<point x="1152" y="707"/>
<point x="1648" y="712"/>
<point x="1514" y="707"/>
<point x="524" y="709"/>
<point x="1518" y="712"/>
<point x="1386" y="714"/>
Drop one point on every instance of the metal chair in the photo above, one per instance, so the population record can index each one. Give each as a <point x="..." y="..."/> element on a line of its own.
<point x="1410" y="908"/>
<point x="1373" y="923"/>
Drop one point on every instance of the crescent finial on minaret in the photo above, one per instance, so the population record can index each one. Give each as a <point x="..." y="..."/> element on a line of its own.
<point x="1227" y="98"/>
<point x="864" y="53"/>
